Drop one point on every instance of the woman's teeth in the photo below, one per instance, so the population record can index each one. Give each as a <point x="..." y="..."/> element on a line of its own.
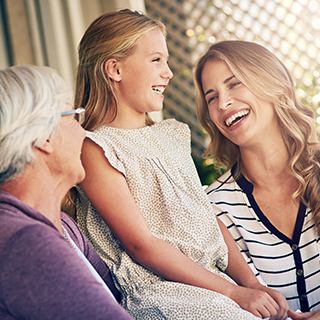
<point x="158" y="89"/>
<point x="236" y="117"/>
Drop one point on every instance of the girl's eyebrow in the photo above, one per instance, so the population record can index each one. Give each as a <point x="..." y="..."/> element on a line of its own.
<point x="159" y="53"/>
<point x="225" y="81"/>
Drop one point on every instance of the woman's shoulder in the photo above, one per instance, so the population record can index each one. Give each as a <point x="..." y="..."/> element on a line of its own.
<point x="73" y="229"/>
<point x="226" y="181"/>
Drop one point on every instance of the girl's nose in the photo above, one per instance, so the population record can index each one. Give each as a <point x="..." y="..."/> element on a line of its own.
<point x="167" y="72"/>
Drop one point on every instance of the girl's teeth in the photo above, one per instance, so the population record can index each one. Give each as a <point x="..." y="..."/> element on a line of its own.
<point x="235" y="116"/>
<point x="158" y="89"/>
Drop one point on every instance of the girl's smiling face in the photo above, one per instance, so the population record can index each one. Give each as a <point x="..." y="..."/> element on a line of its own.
<point x="238" y="114"/>
<point x="144" y="75"/>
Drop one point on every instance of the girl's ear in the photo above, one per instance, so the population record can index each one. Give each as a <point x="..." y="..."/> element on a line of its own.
<point x="112" y="67"/>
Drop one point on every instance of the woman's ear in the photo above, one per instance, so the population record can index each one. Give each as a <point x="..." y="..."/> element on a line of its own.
<point x="47" y="146"/>
<point x="112" y="68"/>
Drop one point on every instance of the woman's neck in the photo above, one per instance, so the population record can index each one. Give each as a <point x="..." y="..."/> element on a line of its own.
<point x="38" y="193"/>
<point x="265" y="163"/>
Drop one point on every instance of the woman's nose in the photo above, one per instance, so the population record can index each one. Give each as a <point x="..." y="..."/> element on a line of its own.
<point x="225" y="101"/>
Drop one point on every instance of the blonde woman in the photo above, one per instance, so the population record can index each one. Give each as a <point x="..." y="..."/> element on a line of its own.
<point x="266" y="139"/>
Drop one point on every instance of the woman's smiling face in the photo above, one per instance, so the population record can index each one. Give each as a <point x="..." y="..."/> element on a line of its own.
<point x="238" y="114"/>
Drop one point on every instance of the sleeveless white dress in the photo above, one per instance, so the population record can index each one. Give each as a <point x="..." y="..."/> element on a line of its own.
<point x="156" y="162"/>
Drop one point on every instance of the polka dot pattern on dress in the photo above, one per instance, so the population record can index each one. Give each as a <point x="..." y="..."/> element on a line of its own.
<point x="157" y="164"/>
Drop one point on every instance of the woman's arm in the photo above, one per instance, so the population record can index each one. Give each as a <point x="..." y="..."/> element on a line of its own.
<point x="313" y="315"/>
<point x="108" y="192"/>
<point x="241" y="244"/>
<point x="42" y="277"/>
<point x="92" y="256"/>
<point x="240" y="272"/>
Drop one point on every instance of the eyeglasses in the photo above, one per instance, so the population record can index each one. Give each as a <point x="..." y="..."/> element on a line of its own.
<point x="79" y="114"/>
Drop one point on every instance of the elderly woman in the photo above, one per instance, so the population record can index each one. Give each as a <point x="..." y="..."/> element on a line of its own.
<point x="44" y="258"/>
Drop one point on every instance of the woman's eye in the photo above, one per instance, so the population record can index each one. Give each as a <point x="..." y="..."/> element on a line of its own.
<point x="212" y="99"/>
<point x="235" y="84"/>
<point x="156" y="60"/>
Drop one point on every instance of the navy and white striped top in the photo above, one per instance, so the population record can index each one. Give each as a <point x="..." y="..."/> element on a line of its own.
<point x="291" y="266"/>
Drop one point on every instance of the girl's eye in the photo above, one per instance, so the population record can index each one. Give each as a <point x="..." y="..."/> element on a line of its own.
<point x="156" y="60"/>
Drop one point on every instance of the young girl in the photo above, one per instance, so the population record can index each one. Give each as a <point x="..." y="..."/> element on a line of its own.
<point x="141" y="204"/>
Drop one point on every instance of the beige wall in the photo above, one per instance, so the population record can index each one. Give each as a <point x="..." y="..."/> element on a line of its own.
<point x="47" y="32"/>
<point x="19" y="32"/>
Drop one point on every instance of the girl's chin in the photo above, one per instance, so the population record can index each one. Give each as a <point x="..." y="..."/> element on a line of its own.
<point x="81" y="176"/>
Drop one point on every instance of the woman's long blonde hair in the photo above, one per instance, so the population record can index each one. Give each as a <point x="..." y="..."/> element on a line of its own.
<point x="267" y="77"/>
<point x="113" y="35"/>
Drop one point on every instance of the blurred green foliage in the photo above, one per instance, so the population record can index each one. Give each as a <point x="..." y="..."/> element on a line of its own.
<point x="207" y="171"/>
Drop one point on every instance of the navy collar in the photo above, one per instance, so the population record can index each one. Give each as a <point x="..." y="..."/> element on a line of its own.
<point x="244" y="184"/>
<point x="247" y="188"/>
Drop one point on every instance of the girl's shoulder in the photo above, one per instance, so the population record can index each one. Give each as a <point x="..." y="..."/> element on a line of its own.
<point x="168" y="125"/>
<point x="173" y="123"/>
<point x="174" y="127"/>
<point x="169" y="128"/>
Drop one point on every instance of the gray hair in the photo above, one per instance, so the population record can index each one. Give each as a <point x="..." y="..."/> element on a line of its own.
<point x="31" y="101"/>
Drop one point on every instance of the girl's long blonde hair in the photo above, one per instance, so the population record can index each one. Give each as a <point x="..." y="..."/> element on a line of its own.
<point x="113" y="35"/>
<point x="267" y="77"/>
